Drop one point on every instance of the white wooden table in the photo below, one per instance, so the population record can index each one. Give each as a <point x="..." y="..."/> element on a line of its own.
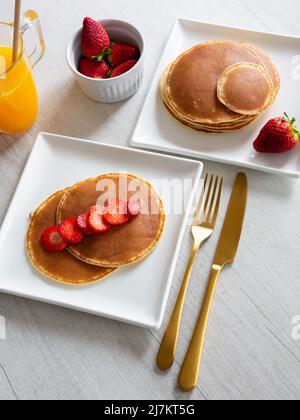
<point x="52" y="353"/>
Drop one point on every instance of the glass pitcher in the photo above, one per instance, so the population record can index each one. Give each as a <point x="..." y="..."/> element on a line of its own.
<point x="18" y="93"/>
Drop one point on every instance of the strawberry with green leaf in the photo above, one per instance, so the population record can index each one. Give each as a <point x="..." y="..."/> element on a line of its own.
<point x="95" y="40"/>
<point x="279" y="135"/>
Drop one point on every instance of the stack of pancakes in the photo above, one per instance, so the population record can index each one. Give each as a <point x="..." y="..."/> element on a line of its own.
<point x="99" y="255"/>
<point x="220" y="86"/>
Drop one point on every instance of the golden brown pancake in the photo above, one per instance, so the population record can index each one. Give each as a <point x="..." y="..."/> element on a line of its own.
<point x="210" y="129"/>
<point x="237" y="124"/>
<point x="245" y="88"/>
<point x="189" y="86"/>
<point x="268" y="65"/>
<point x="61" y="267"/>
<point x="124" y="244"/>
<point x="218" y="127"/>
<point x="192" y="81"/>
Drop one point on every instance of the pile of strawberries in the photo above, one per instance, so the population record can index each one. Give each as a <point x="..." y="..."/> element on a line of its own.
<point x="72" y="231"/>
<point x="103" y="59"/>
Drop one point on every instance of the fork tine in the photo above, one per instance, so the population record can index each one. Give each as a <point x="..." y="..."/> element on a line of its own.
<point x="212" y="200"/>
<point x="217" y="206"/>
<point x="208" y="194"/>
<point x="196" y="218"/>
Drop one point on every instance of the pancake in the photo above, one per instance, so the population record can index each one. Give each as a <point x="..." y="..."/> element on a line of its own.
<point x="239" y="123"/>
<point x="212" y="130"/>
<point x="245" y="88"/>
<point x="61" y="267"/>
<point x="192" y="80"/>
<point x="122" y="245"/>
<point x="220" y="86"/>
<point x="268" y="65"/>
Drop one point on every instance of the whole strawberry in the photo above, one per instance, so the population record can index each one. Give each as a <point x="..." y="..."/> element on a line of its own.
<point x="123" y="68"/>
<point x="279" y="135"/>
<point x="94" y="69"/>
<point x="95" y="40"/>
<point x="120" y="52"/>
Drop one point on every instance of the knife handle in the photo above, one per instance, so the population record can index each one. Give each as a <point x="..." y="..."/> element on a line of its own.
<point x="188" y="378"/>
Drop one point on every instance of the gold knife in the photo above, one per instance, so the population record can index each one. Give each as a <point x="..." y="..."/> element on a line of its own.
<point x="225" y="254"/>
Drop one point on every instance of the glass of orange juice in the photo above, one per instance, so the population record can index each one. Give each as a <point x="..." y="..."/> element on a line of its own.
<point x="18" y="93"/>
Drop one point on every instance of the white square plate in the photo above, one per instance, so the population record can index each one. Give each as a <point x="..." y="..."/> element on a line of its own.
<point x="157" y="130"/>
<point x="137" y="294"/>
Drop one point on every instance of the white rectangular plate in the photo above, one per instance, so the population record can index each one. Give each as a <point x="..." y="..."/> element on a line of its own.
<point x="137" y="294"/>
<point x="158" y="130"/>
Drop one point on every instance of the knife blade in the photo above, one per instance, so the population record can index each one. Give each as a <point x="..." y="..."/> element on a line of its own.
<point x="233" y="224"/>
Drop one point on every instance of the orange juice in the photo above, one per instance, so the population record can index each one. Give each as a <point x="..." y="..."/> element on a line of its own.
<point x="18" y="94"/>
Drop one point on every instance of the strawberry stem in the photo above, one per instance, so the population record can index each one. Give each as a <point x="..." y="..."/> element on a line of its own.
<point x="292" y="122"/>
<point x="104" y="53"/>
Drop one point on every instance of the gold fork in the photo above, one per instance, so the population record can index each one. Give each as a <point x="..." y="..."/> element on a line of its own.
<point x="202" y="229"/>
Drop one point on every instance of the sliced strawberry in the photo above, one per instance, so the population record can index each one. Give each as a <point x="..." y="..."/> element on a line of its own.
<point x="134" y="207"/>
<point x="52" y="240"/>
<point x="70" y="231"/>
<point x="82" y="222"/>
<point x="116" y="213"/>
<point x="96" y="221"/>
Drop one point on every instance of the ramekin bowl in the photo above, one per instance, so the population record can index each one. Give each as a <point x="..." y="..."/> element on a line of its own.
<point x="119" y="88"/>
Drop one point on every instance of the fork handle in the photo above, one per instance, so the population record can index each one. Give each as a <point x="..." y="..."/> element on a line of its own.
<point x="167" y="351"/>
<point x="189" y="374"/>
